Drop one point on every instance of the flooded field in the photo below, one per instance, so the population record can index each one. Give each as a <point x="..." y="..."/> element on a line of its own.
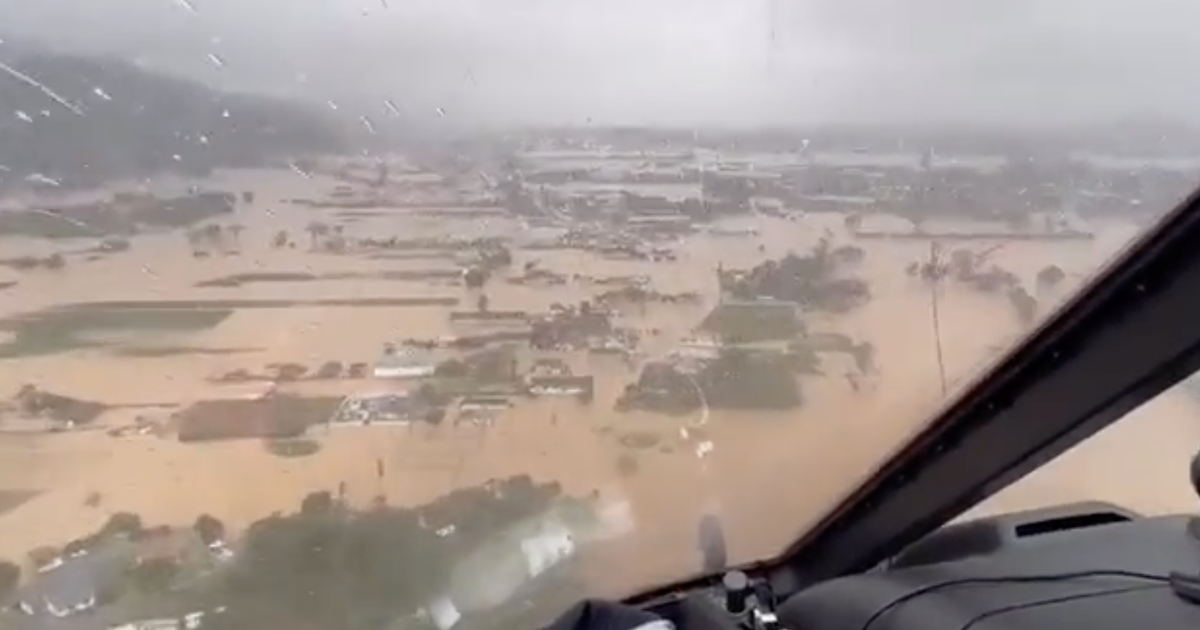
<point x="173" y="327"/>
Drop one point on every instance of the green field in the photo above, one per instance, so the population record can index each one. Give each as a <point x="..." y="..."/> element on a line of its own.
<point x="63" y="329"/>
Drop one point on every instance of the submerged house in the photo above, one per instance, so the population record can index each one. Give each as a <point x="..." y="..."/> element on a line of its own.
<point x="405" y="363"/>
<point x="379" y="408"/>
<point x="750" y="321"/>
<point x="582" y="387"/>
<point x="484" y="403"/>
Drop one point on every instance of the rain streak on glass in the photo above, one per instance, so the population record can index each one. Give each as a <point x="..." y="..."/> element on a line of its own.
<point x="497" y="305"/>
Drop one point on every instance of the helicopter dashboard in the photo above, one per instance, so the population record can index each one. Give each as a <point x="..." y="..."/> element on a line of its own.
<point x="1087" y="565"/>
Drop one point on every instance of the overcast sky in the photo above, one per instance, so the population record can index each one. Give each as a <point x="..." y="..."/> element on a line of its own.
<point x="740" y="62"/>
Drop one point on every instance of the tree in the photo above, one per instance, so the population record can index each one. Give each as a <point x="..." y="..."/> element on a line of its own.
<point x="10" y="578"/>
<point x="344" y="569"/>
<point x="153" y="575"/>
<point x="122" y="523"/>
<point x="338" y="571"/>
<point x="429" y="394"/>
<point x="316" y="232"/>
<point x="1024" y="304"/>
<point x="287" y="372"/>
<point x="1050" y="276"/>
<point x="741" y="379"/>
<point x="330" y="369"/>
<point x="195" y="239"/>
<point x="452" y="368"/>
<point x="209" y="528"/>
<point x="864" y="357"/>
<point x="314" y="503"/>
<point x="475" y="277"/>
<point x="210" y="238"/>
<point x="235" y="234"/>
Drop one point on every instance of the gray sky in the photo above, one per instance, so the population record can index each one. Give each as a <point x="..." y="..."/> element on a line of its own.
<point x="737" y="62"/>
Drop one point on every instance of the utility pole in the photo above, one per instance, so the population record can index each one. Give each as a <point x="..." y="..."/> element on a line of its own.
<point x="938" y="270"/>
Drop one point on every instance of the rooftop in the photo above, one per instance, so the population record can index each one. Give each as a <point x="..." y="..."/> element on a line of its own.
<point x="64" y="590"/>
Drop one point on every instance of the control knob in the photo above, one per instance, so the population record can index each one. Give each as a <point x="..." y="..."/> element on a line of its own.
<point x="737" y="592"/>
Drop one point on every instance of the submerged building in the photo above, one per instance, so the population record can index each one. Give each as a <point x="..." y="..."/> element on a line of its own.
<point x="405" y="363"/>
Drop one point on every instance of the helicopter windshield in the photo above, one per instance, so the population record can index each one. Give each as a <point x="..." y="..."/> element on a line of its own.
<point x="449" y="313"/>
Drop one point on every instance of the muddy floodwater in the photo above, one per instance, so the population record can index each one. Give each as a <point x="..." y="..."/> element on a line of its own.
<point x="768" y="475"/>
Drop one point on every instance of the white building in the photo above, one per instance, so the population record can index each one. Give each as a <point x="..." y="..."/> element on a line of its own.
<point x="405" y="363"/>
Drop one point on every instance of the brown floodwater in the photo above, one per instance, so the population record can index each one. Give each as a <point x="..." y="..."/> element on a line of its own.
<point x="769" y="475"/>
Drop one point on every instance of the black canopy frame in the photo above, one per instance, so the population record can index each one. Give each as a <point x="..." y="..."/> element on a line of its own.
<point x="1133" y="332"/>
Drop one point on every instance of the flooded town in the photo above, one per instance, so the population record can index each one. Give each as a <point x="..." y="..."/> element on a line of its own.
<point x="645" y="329"/>
<point x="447" y="315"/>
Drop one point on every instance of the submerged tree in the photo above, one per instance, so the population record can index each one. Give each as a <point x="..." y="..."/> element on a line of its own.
<point x="317" y="232"/>
<point x="815" y="281"/>
<point x="327" y="568"/>
<point x="10" y="578"/>
<point x="209" y="528"/>
<point x="1024" y="304"/>
<point x="743" y="379"/>
<point x="475" y="277"/>
<point x="1050" y="277"/>
<point x="234" y="230"/>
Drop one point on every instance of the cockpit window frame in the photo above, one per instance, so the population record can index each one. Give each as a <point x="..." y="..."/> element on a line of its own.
<point x="1133" y="332"/>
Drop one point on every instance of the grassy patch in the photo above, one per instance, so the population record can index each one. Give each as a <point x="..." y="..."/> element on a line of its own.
<point x="274" y="417"/>
<point x="63" y="329"/>
<point x="751" y="322"/>
<point x="233" y="304"/>
<point x="242" y="279"/>
<point x="291" y="448"/>
<point x="238" y="280"/>
<point x="155" y="352"/>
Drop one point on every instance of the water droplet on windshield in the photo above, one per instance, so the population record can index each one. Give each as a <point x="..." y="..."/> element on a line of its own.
<point x="38" y="178"/>
<point x="32" y="82"/>
<point x="299" y="171"/>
